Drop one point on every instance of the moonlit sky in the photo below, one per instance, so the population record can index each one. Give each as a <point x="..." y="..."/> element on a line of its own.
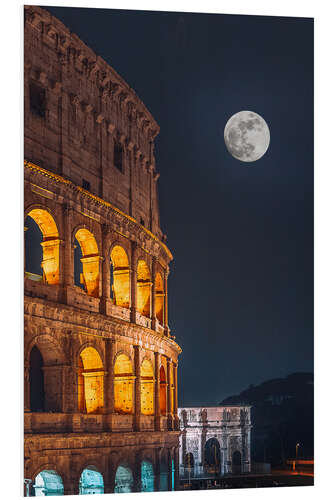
<point x="241" y="283"/>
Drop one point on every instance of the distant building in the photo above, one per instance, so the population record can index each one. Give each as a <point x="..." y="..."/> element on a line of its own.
<point x="215" y="440"/>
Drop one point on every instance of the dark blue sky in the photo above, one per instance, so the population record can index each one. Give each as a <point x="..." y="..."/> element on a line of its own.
<point x="241" y="284"/>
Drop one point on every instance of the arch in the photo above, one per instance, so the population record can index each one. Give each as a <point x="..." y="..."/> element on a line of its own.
<point x="89" y="277"/>
<point x="120" y="277"/>
<point x="123" y="480"/>
<point x="159" y="298"/>
<point x="163" y="482"/>
<point x="147" y="387"/>
<point x="147" y="476"/>
<point x="47" y="483"/>
<point x="236" y="462"/>
<point x="189" y="462"/>
<point x="49" y="241"/>
<point x="123" y="384"/>
<point x="143" y="289"/>
<point x="36" y="380"/>
<point x="47" y="372"/>
<point x="212" y="456"/>
<point x="90" y="381"/>
<point x="91" y="481"/>
<point x="172" y="389"/>
<point x="163" y="391"/>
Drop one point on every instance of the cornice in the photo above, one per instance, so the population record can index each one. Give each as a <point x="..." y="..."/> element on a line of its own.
<point x="95" y="199"/>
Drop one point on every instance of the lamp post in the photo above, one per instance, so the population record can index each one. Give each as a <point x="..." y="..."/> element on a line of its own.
<point x="297" y="446"/>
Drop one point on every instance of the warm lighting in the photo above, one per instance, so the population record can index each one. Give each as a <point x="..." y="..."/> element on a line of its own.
<point x="163" y="387"/>
<point x="147" y="388"/>
<point x="123" y="384"/>
<point x="159" y="298"/>
<point x="121" y="277"/>
<point x="90" y="381"/>
<point x="143" y="288"/>
<point x="90" y="261"/>
<point x="50" y="244"/>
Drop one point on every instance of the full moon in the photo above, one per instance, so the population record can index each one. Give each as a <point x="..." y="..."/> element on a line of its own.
<point x="246" y="136"/>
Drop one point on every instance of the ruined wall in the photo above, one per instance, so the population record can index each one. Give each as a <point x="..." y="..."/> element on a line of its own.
<point x="84" y="122"/>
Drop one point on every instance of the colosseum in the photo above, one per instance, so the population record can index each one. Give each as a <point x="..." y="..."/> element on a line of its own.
<point x="100" y="363"/>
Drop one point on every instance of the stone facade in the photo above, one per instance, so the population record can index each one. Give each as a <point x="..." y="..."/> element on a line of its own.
<point x="215" y="440"/>
<point x="100" y="373"/>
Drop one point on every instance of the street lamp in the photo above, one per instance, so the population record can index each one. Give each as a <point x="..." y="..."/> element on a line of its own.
<point x="297" y="446"/>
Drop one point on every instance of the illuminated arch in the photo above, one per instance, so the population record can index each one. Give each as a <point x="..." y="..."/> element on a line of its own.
<point x="147" y="388"/>
<point x="90" y="381"/>
<point x="172" y="389"/>
<point x="120" y="276"/>
<point x="159" y="298"/>
<point x="50" y="245"/>
<point x="123" y="480"/>
<point x="48" y="483"/>
<point x="91" y="481"/>
<point x="123" y="384"/>
<point x="90" y="261"/>
<point x="143" y="288"/>
<point x="163" y="392"/>
<point x="147" y="476"/>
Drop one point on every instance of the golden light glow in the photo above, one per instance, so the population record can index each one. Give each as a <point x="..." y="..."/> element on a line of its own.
<point x="90" y="381"/>
<point x="147" y="388"/>
<point x="123" y="384"/>
<point x="159" y="298"/>
<point x="90" y="261"/>
<point x="121" y="277"/>
<point x="143" y="288"/>
<point x="172" y="389"/>
<point x="162" y="391"/>
<point x="50" y="244"/>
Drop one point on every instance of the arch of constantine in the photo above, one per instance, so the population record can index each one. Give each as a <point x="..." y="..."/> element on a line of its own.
<point x="100" y="372"/>
<point x="215" y="441"/>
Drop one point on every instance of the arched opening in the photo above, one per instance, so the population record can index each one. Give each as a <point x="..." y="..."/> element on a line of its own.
<point x="123" y="384"/>
<point x="163" y="486"/>
<point x="159" y="298"/>
<point x="120" y="277"/>
<point x="172" y="475"/>
<point x="90" y="381"/>
<point x="189" y="463"/>
<point x="123" y="480"/>
<point x="162" y="391"/>
<point x="47" y="483"/>
<point x="212" y="458"/>
<point x="147" y="476"/>
<point x="41" y="247"/>
<point x="236" y="462"/>
<point x="147" y="388"/>
<point x="143" y="289"/>
<point x="86" y="262"/>
<point x="36" y="380"/>
<point x="91" y="482"/>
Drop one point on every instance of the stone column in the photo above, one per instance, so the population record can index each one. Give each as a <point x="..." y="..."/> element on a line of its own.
<point x="175" y="395"/>
<point x="157" y="469"/>
<point x="176" y="460"/>
<point x="157" y="392"/>
<point x="133" y="276"/>
<point x="153" y="296"/>
<point x="170" y="456"/>
<point x="137" y="472"/>
<point x="105" y="274"/>
<point x="137" y="388"/>
<point x="169" y="396"/>
<point x="67" y="251"/>
<point x="166" y="327"/>
<point x="68" y="384"/>
<point x="26" y="388"/>
<point x="109" y="380"/>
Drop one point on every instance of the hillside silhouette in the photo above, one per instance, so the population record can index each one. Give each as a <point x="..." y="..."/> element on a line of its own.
<point x="282" y="415"/>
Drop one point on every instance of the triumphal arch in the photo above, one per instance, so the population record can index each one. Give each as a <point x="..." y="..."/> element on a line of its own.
<point x="215" y="441"/>
<point x="100" y="362"/>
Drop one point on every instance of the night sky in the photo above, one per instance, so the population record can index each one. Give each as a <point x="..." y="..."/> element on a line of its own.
<point x="241" y="283"/>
